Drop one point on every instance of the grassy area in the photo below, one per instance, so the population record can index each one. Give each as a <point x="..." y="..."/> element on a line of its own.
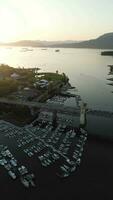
<point x="54" y="77"/>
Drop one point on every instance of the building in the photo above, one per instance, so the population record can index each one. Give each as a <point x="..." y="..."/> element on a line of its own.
<point x="15" y="76"/>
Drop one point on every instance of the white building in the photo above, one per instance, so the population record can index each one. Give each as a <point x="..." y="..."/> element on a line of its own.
<point x="15" y="76"/>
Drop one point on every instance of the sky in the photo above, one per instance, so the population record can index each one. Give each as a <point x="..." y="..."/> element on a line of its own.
<point x="54" y="19"/>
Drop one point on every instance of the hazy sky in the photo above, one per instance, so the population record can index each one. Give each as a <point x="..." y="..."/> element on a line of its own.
<point x="55" y="19"/>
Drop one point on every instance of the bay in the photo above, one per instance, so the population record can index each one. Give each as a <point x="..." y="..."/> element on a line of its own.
<point x="86" y="69"/>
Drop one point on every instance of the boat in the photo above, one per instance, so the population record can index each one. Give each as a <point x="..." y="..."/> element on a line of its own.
<point x="111" y="69"/>
<point x="26" y="49"/>
<point x="63" y="175"/>
<point x="57" y="50"/>
<point x="12" y="174"/>
<point x="24" y="182"/>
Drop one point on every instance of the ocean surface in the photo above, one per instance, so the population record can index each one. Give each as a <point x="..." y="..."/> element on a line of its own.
<point x="86" y="69"/>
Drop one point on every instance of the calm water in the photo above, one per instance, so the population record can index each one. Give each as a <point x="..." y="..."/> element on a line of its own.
<point x="86" y="68"/>
<point x="87" y="71"/>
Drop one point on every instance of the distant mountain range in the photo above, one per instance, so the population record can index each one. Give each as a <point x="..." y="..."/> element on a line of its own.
<point x="37" y="43"/>
<point x="103" y="42"/>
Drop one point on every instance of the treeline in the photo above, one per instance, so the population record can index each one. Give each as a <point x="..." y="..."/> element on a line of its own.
<point x="8" y="86"/>
<point x="26" y="74"/>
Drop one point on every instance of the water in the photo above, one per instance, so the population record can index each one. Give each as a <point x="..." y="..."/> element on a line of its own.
<point x="86" y="68"/>
<point x="87" y="71"/>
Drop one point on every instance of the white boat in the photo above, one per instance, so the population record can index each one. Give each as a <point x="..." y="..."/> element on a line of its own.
<point x="24" y="182"/>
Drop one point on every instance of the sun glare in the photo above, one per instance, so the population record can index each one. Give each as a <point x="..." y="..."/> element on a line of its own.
<point x="8" y="25"/>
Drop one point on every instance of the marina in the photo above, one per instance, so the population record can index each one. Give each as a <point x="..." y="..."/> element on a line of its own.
<point x="15" y="171"/>
<point x="52" y="149"/>
<point x="59" y="146"/>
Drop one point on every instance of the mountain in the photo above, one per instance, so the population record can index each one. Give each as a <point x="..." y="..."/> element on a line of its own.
<point x="26" y="43"/>
<point x="103" y="42"/>
<point x="37" y="43"/>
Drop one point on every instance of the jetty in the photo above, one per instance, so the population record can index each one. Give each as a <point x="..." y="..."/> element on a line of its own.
<point x="83" y="110"/>
<point x="107" y="53"/>
<point x="57" y="107"/>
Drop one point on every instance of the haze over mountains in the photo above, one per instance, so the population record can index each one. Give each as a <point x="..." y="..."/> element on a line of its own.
<point x="103" y="42"/>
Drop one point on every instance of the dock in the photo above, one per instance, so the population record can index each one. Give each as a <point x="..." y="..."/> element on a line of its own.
<point x="107" y="53"/>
